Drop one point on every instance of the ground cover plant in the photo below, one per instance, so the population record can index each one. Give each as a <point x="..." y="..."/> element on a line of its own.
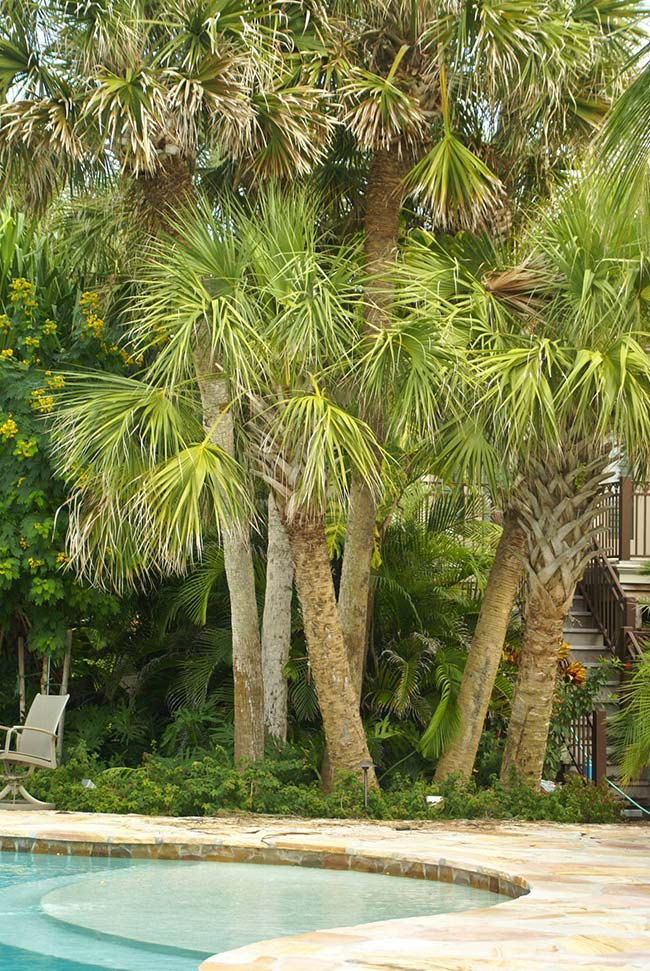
<point x="209" y="785"/>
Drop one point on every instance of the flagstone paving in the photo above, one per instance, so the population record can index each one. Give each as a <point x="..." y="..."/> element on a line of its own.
<point x="584" y="890"/>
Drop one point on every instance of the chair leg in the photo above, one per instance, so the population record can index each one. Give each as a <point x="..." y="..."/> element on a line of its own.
<point x="33" y="801"/>
<point x="10" y="788"/>
<point x="9" y="798"/>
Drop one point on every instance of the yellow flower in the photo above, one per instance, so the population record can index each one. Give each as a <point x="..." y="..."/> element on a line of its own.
<point x="8" y="352"/>
<point x="34" y="564"/>
<point x="49" y="327"/>
<point x="22" y="542"/>
<point x="56" y="383"/>
<point x="61" y="557"/>
<point x="4" y="323"/>
<point x="32" y="342"/>
<point x="9" y="429"/>
<point x="26" y="448"/>
<point x="46" y="404"/>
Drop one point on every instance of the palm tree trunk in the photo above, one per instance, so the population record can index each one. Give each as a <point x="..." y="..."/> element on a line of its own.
<point x="63" y="690"/>
<point x="22" y="704"/>
<point x="344" y="734"/>
<point x="276" y="623"/>
<point x="485" y="652"/>
<point x="533" y="701"/>
<point x="238" y="563"/>
<point x="556" y="503"/>
<point x="381" y="227"/>
<point x="157" y="201"/>
<point x="354" y="587"/>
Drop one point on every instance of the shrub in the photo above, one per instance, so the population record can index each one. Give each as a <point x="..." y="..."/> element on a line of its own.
<point x="209" y="785"/>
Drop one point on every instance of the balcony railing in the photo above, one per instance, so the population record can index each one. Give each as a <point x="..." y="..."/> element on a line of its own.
<point x="624" y="520"/>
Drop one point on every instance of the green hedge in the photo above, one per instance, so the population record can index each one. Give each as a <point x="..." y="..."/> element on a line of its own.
<point x="208" y="785"/>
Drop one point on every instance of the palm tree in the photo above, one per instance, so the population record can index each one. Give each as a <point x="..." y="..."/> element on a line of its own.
<point x="150" y="95"/>
<point x="631" y="728"/>
<point x="466" y="109"/>
<point x="561" y="381"/>
<point x="154" y="91"/>
<point x="273" y="308"/>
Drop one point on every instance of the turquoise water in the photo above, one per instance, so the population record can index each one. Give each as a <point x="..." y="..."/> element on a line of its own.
<point x="74" y="914"/>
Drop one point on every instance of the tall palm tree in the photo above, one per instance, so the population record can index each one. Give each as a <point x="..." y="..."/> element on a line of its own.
<point x="465" y="109"/>
<point x="146" y="95"/>
<point x="469" y="277"/>
<point x="275" y="309"/>
<point x="561" y="381"/>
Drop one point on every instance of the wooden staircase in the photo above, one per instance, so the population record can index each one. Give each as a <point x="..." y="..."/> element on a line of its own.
<point x="587" y="645"/>
<point x="604" y="621"/>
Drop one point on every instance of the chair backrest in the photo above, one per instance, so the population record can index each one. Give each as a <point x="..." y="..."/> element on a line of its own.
<point x="45" y="712"/>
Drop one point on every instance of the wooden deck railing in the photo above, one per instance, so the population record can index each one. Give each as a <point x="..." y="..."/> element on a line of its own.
<point x="624" y="520"/>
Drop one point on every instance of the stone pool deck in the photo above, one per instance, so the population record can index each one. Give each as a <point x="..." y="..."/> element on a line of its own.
<point x="587" y="905"/>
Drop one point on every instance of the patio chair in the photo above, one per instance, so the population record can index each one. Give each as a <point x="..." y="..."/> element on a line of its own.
<point x="28" y="747"/>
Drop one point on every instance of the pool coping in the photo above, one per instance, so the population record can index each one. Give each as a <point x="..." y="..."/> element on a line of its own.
<point x="564" y="905"/>
<point x="332" y="858"/>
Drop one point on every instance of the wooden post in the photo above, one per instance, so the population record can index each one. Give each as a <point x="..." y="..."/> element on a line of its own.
<point x="22" y="706"/>
<point x="625" y="517"/>
<point x="629" y="624"/>
<point x="65" y="680"/>
<point x="599" y="747"/>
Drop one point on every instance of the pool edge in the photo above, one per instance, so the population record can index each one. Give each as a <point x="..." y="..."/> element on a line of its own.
<point x="329" y="858"/>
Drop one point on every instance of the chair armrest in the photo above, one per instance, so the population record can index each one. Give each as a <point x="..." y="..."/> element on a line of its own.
<point x="15" y="729"/>
<point x="31" y="728"/>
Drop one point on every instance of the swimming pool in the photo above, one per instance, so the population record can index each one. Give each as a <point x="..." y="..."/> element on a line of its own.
<point x="67" y="913"/>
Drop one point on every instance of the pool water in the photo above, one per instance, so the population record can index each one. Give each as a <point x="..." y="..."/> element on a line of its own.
<point x="66" y="913"/>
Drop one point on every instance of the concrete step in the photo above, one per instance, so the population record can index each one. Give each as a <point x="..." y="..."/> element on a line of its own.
<point x="579" y="620"/>
<point x="579" y="603"/>
<point x="587" y="636"/>
<point x="587" y="654"/>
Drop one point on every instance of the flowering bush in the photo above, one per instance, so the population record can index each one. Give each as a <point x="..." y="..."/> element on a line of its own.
<point x="33" y="346"/>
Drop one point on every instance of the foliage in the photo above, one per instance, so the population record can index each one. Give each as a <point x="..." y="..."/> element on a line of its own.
<point x="631" y="724"/>
<point x="209" y="786"/>
<point x="571" y="701"/>
<point x="45" y="322"/>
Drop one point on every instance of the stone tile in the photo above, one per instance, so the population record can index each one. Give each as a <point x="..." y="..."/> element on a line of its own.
<point x="588" y="905"/>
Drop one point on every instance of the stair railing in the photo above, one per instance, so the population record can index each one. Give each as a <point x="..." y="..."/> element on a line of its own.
<point x="586" y="743"/>
<point x="613" y="611"/>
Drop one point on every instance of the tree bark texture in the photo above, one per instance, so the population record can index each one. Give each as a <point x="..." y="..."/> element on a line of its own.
<point x="276" y="623"/>
<point x="381" y="226"/>
<point x="485" y="651"/>
<point x="344" y="734"/>
<point x="238" y="563"/>
<point x="354" y="589"/>
<point x="556" y="503"/>
<point x="533" y="700"/>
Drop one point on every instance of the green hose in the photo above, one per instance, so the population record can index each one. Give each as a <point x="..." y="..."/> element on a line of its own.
<point x="629" y="798"/>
